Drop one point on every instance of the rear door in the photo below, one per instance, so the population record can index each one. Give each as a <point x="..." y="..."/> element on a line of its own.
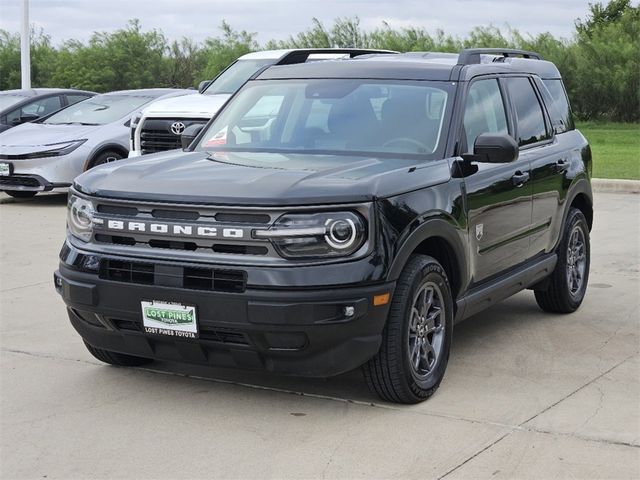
<point x="552" y="170"/>
<point x="541" y="149"/>
<point x="498" y="194"/>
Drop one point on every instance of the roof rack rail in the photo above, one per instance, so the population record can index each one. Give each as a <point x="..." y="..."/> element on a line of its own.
<point x="301" y="55"/>
<point x="470" y="56"/>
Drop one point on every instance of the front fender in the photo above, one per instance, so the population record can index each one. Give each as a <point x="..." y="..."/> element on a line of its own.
<point x="441" y="227"/>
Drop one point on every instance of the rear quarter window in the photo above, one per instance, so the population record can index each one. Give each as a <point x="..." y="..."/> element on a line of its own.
<point x="531" y="126"/>
<point x="560" y="110"/>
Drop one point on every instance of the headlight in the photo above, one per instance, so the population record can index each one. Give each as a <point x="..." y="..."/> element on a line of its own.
<point x="329" y="234"/>
<point x="62" y="148"/>
<point x="80" y="218"/>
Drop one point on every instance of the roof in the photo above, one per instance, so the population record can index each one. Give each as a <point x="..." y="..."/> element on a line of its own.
<point x="417" y="66"/>
<point x="326" y="52"/>
<point x="148" y="92"/>
<point x="34" y="92"/>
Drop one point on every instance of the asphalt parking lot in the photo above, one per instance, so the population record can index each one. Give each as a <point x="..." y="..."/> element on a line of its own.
<point x="526" y="395"/>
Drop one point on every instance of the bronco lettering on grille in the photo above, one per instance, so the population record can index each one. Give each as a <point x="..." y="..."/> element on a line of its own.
<point x="175" y="229"/>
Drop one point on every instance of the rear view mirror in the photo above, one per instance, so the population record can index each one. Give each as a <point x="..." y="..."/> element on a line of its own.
<point x="202" y="86"/>
<point x="189" y="135"/>
<point x="493" y="148"/>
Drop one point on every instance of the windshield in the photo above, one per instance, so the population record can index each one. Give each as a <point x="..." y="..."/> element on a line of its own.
<point x="8" y="100"/>
<point x="233" y="77"/>
<point x="98" y="110"/>
<point x="333" y="116"/>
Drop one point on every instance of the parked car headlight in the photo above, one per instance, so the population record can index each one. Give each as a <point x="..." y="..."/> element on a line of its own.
<point x="80" y="218"/>
<point x="327" y="234"/>
<point x="62" y="148"/>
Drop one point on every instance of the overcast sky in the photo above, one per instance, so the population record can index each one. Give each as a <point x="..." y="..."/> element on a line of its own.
<point x="277" y="19"/>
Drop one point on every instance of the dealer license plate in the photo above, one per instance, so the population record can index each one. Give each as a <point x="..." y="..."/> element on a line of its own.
<point x="5" y="169"/>
<point x="171" y="319"/>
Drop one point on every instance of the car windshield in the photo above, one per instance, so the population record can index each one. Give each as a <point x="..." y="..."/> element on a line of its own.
<point x="233" y="77"/>
<point x="7" y="101"/>
<point x="388" y="118"/>
<point x="99" y="110"/>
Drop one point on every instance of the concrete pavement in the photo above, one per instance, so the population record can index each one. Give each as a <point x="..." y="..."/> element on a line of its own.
<point x="526" y="395"/>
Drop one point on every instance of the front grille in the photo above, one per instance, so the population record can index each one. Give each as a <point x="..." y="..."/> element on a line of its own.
<point x="224" y="335"/>
<point x="156" y="134"/>
<point x="191" y="278"/>
<point x="227" y="336"/>
<point x="19" y="181"/>
<point x="197" y="278"/>
<point x="127" y="272"/>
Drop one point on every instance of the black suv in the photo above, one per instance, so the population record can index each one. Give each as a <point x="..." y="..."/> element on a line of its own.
<point x="335" y="215"/>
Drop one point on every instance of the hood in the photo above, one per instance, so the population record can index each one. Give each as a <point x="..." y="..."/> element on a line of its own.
<point x="265" y="179"/>
<point x="34" y="137"/>
<point x="196" y="104"/>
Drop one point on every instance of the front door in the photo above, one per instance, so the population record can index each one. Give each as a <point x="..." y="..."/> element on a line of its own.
<point x="499" y="196"/>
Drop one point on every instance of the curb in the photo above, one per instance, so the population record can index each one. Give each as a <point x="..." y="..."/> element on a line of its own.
<point x="606" y="185"/>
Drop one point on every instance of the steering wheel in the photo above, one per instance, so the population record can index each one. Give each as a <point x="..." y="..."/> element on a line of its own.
<point x="421" y="146"/>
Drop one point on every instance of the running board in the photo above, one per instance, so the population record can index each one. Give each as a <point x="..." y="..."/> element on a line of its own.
<point x="484" y="296"/>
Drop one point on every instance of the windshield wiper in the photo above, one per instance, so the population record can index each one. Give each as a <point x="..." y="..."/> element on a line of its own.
<point x="73" y="123"/>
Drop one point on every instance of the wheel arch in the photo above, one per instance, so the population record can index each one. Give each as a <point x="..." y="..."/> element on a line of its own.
<point x="440" y="240"/>
<point x="583" y="203"/>
<point x="116" y="147"/>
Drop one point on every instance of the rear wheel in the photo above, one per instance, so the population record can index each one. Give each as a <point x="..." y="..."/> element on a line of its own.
<point x="115" y="358"/>
<point x="20" y="194"/>
<point x="568" y="283"/>
<point x="417" y="337"/>
<point x="105" y="157"/>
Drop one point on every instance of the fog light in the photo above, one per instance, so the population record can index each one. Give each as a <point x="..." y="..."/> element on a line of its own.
<point x="349" y="311"/>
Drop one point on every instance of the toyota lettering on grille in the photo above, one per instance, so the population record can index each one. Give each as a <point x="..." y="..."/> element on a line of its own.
<point x="172" y="229"/>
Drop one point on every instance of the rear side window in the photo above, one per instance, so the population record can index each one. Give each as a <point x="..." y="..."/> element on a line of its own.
<point x="484" y="111"/>
<point x="71" y="99"/>
<point x="561" y="117"/>
<point x="530" y="122"/>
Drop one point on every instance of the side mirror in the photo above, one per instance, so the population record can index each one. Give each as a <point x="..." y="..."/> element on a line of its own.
<point x="28" y="117"/>
<point x="202" y="86"/>
<point x="493" y="148"/>
<point x="189" y="135"/>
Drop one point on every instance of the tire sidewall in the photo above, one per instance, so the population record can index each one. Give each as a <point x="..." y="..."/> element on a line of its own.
<point x="576" y="217"/>
<point x="431" y="271"/>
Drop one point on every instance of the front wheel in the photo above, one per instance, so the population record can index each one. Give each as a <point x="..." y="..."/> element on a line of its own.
<point x="105" y="157"/>
<point x="417" y="337"/>
<point x="568" y="282"/>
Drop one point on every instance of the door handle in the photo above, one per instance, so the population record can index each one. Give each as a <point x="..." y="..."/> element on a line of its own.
<point x="520" y="178"/>
<point x="562" y="165"/>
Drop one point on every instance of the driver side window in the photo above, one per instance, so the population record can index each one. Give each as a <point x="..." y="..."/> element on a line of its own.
<point x="41" y="107"/>
<point x="484" y="111"/>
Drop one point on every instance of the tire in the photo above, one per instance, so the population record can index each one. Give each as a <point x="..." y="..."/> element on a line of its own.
<point x="114" y="358"/>
<point x="392" y="374"/>
<point x="563" y="295"/>
<point x="105" y="157"/>
<point x="20" y="194"/>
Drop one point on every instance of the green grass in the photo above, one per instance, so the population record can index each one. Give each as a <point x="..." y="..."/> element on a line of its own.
<point x="615" y="148"/>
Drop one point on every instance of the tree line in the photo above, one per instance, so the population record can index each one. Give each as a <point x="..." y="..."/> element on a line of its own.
<point x="600" y="63"/>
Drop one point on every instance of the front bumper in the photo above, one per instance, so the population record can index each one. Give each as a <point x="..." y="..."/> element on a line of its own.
<point x="29" y="183"/>
<point x="294" y="331"/>
<point x="44" y="174"/>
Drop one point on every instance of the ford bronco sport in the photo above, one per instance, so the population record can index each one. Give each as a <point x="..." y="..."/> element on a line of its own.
<point x="336" y="215"/>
